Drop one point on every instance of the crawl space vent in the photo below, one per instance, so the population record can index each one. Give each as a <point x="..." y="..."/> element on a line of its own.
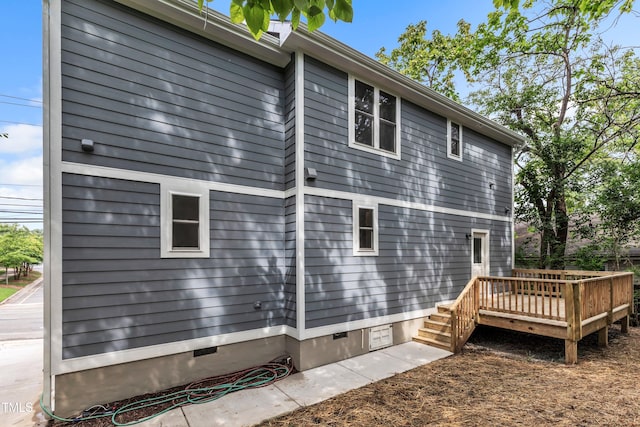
<point x="380" y="337"/>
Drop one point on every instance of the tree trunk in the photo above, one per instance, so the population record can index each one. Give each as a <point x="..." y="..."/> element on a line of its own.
<point x="559" y="244"/>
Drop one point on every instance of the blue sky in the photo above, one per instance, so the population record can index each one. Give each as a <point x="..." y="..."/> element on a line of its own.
<point x="21" y="75"/>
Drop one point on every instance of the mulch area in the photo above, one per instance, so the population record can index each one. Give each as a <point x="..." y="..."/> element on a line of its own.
<point x="501" y="378"/>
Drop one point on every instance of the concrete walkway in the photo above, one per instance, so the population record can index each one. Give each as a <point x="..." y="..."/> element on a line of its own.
<point x="252" y="406"/>
<point x="21" y="333"/>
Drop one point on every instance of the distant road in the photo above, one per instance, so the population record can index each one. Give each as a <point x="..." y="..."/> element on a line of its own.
<point x="21" y="333"/>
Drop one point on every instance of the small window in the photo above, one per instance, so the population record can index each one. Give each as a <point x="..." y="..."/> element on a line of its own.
<point x="365" y="230"/>
<point x="184" y="223"/>
<point x="373" y="119"/>
<point x="477" y="250"/>
<point x="454" y="140"/>
<point x="185" y="232"/>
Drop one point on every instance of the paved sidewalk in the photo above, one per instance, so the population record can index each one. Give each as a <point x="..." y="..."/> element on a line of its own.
<point x="252" y="406"/>
<point x="21" y="343"/>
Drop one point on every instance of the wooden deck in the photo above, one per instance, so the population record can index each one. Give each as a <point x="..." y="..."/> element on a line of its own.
<point x="560" y="304"/>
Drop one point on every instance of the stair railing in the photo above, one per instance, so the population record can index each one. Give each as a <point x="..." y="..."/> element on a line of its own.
<point x="464" y="312"/>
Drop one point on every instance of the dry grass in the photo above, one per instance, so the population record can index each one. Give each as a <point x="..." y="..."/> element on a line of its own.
<point x="501" y="378"/>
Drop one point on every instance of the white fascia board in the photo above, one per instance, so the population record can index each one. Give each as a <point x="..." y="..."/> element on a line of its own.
<point x="214" y="26"/>
<point x="344" y="58"/>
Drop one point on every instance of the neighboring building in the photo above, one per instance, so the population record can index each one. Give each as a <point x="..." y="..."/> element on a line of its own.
<point x="206" y="190"/>
<point x="580" y="253"/>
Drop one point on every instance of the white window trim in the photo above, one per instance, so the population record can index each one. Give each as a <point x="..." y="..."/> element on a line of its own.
<point x="460" y="142"/>
<point x="356" y="229"/>
<point x="166" y="217"/>
<point x="376" y="126"/>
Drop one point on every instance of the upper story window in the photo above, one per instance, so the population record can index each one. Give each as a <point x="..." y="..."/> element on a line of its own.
<point x="374" y="119"/>
<point x="454" y="140"/>
<point x="365" y="230"/>
<point x="184" y="222"/>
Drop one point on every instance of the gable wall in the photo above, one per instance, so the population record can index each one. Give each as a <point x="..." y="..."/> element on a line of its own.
<point x="157" y="100"/>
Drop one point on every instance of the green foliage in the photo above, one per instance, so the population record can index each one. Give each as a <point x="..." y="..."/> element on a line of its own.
<point x="431" y="61"/>
<point x="590" y="258"/>
<point x="20" y="248"/>
<point x="257" y="13"/>
<point x="593" y="9"/>
<point x="541" y="70"/>
<point x="610" y="216"/>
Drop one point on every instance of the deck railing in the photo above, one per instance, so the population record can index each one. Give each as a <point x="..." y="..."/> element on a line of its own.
<point x="541" y="298"/>
<point x="463" y="315"/>
<point x="582" y="301"/>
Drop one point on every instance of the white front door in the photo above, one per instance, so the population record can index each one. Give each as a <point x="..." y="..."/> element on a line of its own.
<point x="479" y="253"/>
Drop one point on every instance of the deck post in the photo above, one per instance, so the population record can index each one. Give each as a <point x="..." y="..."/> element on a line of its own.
<point x="624" y="325"/>
<point x="603" y="337"/>
<point x="570" y="352"/>
<point x="454" y="330"/>
<point x="610" y="313"/>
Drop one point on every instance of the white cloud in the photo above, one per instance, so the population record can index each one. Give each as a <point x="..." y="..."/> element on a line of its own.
<point x="22" y="172"/>
<point x="22" y="139"/>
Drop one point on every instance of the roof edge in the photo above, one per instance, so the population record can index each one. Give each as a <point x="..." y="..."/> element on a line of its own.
<point x="343" y="57"/>
<point x="214" y="26"/>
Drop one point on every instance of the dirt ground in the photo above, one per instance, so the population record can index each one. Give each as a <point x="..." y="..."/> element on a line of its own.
<point x="501" y="378"/>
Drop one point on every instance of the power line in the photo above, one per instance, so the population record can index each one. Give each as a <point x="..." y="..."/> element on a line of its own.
<point x="20" y="185"/>
<point x="21" y="205"/>
<point x="21" y="212"/>
<point x="22" y="99"/>
<point x="20" y="198"/>
<point x="20" y="123"/>
<point x="20" y="105"/>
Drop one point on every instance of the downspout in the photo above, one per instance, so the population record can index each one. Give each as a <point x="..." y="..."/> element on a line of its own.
<point x="46" y="380"/>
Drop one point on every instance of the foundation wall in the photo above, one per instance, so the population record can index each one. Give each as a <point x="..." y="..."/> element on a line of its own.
<point x="77" y="391"/>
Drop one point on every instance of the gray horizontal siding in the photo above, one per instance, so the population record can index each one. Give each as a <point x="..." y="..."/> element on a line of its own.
<point x="424" y="258"/>
<point x="290" y="262"/>
<point x="157" y="99"/>
<point x="117" y="292"/>
<point x="423" y="175"/>
<point x="289" y="125"/>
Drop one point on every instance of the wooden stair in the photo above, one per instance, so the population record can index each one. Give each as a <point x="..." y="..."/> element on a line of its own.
<point x="436" y="331"/>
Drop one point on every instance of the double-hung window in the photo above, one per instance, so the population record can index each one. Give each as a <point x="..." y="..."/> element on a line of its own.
<point x="454" y="140"/>
<point x="184" y="222"/>
<point x="374" y="119"/>
<point x="365" y="230"/>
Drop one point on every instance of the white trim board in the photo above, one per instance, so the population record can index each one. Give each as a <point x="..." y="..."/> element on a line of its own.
<point x="148" y="352"/>
<point x="159" y="350"/>
<point x="52" y="158"/>
<point x="300" y="193"/>
<point x="375" y="200"/>
<point x="168" y="180"/>
<point x="321" y="331"/>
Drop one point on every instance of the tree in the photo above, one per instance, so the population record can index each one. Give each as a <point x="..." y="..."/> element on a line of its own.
<point x="20" y="249"/>
<point x="544" y="73"/>
<point x="610" y="218"/>
<point x="428" y="60"/>
<point x="257" y="13"/>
